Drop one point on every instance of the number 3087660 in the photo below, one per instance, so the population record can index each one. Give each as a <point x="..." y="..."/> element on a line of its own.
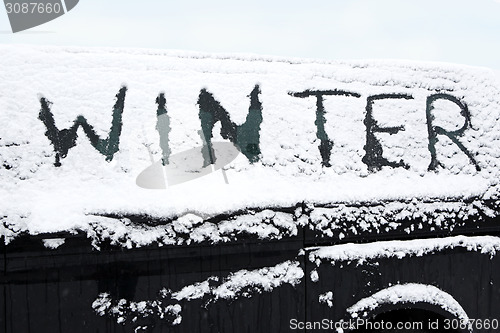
<point x="33" y="7"/>
<point x="475" y="324"/>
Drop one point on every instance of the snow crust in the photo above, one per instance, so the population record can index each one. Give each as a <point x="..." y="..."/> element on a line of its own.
<point x="242" y="283"/>
<point x="361" y="253"/>
<point x="53" y="243"/>
<point x="409" y="293"/>
<point x="82" y="194"/>
<point x="326" y="298"/>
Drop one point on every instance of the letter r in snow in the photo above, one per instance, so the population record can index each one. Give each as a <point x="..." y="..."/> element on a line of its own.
<point x="434" y="131"/>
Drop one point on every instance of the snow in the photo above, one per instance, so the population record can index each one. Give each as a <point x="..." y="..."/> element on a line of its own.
<point x="191" y="228"/>
<point x="124" y="310"/>
<point x="167" y="307"/>
<point x="89" y="194"/>
<point x="53" y="243"/>
<point x="314" y="276"/>
<point x="326" y="298"/>
<point x="360" y="253"/>
<point x="409" y="293"/>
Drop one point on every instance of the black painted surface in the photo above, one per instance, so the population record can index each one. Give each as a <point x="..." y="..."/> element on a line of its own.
<point x="47" y="290"/>
<point x="53" y="290"/>
<point x="472" y="278"/>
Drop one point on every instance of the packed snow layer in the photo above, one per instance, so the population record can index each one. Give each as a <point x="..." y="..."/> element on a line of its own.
<point x="326" y="298"/>
<point x="38" y="197"/>
<point x="409" y="293"/>
<point x="167" y="307"/>
<point x="361" y="253"/>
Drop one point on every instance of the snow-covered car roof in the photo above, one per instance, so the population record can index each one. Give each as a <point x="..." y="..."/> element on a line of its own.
<point x="89" y="136"/>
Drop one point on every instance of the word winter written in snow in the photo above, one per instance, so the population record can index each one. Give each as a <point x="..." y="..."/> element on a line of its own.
<point x="246" y="137"/>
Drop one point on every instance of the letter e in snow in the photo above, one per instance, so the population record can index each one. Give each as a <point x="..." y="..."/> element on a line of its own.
<point x="373" y="157"/>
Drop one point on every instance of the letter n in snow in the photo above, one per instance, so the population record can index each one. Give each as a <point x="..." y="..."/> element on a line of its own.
<point x="245" y="136"/>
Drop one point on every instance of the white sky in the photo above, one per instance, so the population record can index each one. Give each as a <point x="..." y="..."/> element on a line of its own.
<point x="459" y="31"/>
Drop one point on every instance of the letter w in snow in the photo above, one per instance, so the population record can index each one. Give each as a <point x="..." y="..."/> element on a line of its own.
<point x="65" y="139"/>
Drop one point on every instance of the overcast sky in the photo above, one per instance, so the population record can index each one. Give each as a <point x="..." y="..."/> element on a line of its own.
<point x="458" y="31"/>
